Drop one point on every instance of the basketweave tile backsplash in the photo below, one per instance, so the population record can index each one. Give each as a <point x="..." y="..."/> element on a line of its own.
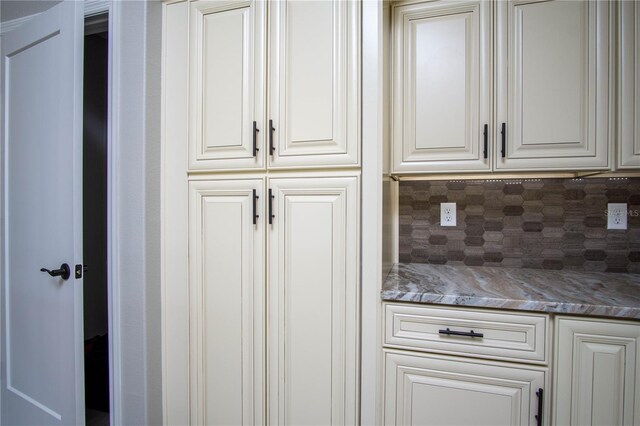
<point x="529" y="223"/>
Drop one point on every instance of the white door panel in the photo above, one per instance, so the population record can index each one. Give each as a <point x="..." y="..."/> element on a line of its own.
<point x="313" y="84"/>
<point x="42" y="353"/>
<point x="227" y="302"/>
<point x="552" y="85"/>
<point x="313" y="301"/>
<point x="227" y="84"/>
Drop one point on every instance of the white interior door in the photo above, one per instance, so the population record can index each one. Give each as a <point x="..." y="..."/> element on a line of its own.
<point x="42" y="354"/>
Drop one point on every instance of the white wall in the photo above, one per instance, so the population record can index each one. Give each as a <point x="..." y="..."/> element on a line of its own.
<point x="135" y="134"/>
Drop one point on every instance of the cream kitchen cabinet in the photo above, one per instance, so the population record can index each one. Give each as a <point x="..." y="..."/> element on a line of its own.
<point x="629" y="85"/>
<point x="272" y="266"/>
<point x="597" y="365"/>
<point x="523" y="84"/>
<point x="227" y="302"/>
<point x="312" y="95"/>
<point x="311" y="296"/>
<point x="313" y="301"/>
<point x="438" y="390"/>
<point x="314" y="89"/>
<point x="227" y="57"/>
<point x="553" y="105"/>
<point x="437" y="357"/>
<point x="448" y="366"/>
<point x="442" y="76"/>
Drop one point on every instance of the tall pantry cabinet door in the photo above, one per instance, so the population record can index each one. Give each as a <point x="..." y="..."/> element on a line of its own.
<point x="226" y="93"/>
<point x="442" y="86"/>
<point x="314" y="89"/>
<point x="226" y="287"/>
<point x="552" y="77"/>
<point x="313" y="302"/>
<point x="597" y="368"/>
<point x="629" y="85"/>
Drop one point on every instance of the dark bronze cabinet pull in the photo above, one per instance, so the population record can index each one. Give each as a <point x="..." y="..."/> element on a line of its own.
<point x="271" y="215"/>
<point x="461" y="333"/>
<point x="255" y="207"/>
<point x="486" y="141"/>
<point x="503" y="132"/>
<point x="255" y="139"/>
<point x="540" y="407"/>
<point x="271" y="130"/>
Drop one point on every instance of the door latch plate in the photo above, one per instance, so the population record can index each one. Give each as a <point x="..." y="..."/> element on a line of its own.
<point x="80" y="269"/>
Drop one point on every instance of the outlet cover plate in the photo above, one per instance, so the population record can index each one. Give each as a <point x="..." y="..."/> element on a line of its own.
<point x="447" y="214"/>
<point x="617" y="216"/>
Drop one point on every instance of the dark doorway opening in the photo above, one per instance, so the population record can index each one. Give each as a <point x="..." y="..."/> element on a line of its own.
<point x="95" y="289"/>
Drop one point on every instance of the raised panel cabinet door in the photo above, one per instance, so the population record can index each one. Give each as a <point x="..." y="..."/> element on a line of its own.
<point x="629" y="85"/>
<point x="442" y="86"/>
<point x="597" y="365"/>
<point x="226" y="85"/>
<point x="435" y="390"/>
<point x="226" y="308"/>
<point x="314" y="83"/>
<point x="313" y="301"/>
<point x="553" y="63"/>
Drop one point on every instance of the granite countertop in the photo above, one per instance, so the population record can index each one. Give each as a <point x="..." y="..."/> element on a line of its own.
<point x="567" y="292"/>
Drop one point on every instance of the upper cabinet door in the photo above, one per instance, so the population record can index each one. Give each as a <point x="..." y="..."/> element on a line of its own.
<point x="442" y="86"/>
<point x="552" y="78"/>
<point x="629" y="85"/>
<point x="226" y="57"/>
<point x="314" y="89"/>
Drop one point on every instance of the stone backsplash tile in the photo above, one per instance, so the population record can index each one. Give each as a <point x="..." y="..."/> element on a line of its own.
<point x="531" y="223"/>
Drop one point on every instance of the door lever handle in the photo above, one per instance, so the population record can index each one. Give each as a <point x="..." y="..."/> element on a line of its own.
<point x="64" y="271"/>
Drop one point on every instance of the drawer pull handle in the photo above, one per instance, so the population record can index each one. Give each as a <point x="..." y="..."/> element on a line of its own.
<point x="461" y="333"/>
<point x="540" y="406"/>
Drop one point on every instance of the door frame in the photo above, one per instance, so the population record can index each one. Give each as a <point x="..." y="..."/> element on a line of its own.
<point x="132" y="363"/>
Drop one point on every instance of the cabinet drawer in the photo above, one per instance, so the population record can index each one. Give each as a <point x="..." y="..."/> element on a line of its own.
<point x="498" y="335"/>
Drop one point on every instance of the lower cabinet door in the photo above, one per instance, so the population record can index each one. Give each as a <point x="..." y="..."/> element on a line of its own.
<point x="597" y="380"/>
<point x="313" y="301"/>
<point x="226" y="307"/>
<point x="439" y="390"/>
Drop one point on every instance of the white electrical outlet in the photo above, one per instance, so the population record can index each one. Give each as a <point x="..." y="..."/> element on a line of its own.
<point x="447" y="214"/>
<point x="617" y="216"/>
